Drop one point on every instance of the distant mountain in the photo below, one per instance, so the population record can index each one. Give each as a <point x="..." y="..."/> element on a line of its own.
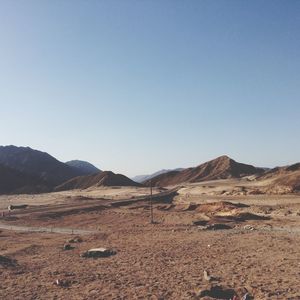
<point x="220" y="168"/>
<point x="38" y="164"/>
<point x="142" y="178"/>
<point x="282" y="179"/>
<point x="15" y="182"/>
<point x="105" y="178"/>
<point x="85" y="167"/>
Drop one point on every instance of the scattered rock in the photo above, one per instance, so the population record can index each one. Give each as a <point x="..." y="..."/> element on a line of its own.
<point x="217" y="226"/>
<point x="218" y="292"/>
<point x="99" y="252"/>
<point x="249" y="227"/>
<point x="7" y="262"/>
<point x="62" y="283"/>
<point x="246" y="297"/>
<point x="76" y="239"/>
<point x="209" y="277"/>
<point x="206" y="276"/>
<point x="68" y="247"/>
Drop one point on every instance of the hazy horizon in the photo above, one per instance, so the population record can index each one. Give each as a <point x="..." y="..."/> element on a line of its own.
<point x="139" y="86"/>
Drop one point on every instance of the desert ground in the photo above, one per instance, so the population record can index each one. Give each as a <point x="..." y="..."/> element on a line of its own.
<point x="247" y="242"/>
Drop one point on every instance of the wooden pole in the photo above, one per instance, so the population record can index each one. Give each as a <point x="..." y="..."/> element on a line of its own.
<point x="151" y="202"/>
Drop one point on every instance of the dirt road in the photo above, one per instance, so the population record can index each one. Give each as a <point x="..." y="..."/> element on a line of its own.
<point x="61" y="230"/>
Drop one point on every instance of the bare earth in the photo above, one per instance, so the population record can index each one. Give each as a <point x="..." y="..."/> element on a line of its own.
<point x="166" y="260"/>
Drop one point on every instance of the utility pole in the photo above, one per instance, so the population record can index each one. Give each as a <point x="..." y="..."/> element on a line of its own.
<point x="151" y="203"/>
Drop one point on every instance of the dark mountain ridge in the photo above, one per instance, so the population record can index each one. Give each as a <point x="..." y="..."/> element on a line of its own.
<point x="15" y="182"/>
<point x="37" y="163"/>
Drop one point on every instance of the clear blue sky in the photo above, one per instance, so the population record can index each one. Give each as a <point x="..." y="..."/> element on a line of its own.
<point x="137" y="86"/>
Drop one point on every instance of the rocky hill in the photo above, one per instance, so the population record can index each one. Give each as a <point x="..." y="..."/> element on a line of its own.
<point x="142" y="178"/>
<point x="282" y="179"/>
<point x="222" y="167"/>
<point x="106" y="178"/>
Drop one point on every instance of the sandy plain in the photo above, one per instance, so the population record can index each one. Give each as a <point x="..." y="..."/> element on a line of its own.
<point x="164" y="260"/>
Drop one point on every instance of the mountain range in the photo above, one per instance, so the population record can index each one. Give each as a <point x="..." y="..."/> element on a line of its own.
<point x="25" y="170"/>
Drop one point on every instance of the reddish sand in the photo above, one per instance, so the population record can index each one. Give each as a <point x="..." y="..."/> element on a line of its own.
<point x="154" y="261"/>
